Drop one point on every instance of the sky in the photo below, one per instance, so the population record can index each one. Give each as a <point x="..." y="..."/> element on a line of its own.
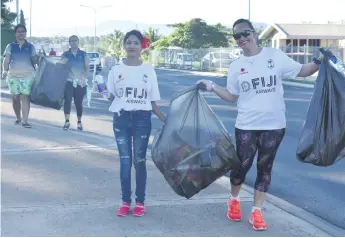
<point x="48" y="14"/>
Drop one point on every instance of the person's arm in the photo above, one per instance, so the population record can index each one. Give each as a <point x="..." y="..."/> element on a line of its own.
<point x="230" y="93"/>
<point x="110" y="86"/>
<point x="155" y="96"/>
<point x="224" y="94"/>
<point x="34" y="58"/>
<point x="7" y="60"/>
<point x="87" y="63"/>
<point x="292" y="69"/>
<point x="157" y="111"/>
<point x="308" y="69"/>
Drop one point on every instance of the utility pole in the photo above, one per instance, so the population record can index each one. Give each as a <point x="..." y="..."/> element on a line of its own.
<point x="30" y="17"/>
<point x="17" y="10"/>
<point x="95" y="19"/>
<point x="249" y="10"/>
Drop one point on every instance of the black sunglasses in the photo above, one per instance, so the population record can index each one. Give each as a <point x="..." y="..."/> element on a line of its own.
<point x="237" y="36"/>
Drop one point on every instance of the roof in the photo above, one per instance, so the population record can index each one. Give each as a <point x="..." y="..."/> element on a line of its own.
<point x="306" y="31"/>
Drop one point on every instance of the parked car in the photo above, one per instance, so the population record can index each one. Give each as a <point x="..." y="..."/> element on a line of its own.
<point x="94" y="60"/>
<point x="215" y="60"/>
<point x="184" y="61"/>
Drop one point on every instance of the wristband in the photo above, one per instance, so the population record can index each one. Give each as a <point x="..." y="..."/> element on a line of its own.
<point x="213" y="85"/>
<point x="316" y="61"/>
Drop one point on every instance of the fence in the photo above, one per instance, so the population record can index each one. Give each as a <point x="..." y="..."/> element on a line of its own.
<point x="210" y="59"/>
<point x="219" y="59"/>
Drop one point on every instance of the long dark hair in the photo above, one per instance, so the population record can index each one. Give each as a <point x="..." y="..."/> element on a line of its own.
<point x="19" y="26"/>
<point x="251" y="26"/>
<point x="133" y="33"/>
<point x="73" y="36"/>
<point x="241" y="20"/>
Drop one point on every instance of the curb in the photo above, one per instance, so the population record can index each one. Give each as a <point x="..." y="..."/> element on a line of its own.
<point x="289" y="82"/>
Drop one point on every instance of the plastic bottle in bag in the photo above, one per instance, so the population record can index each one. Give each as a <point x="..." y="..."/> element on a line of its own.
<point x="337" y="64"/>
<point x="101" y="85"/>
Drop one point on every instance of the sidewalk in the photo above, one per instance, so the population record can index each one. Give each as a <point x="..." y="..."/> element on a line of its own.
<point x="58" y="183"/>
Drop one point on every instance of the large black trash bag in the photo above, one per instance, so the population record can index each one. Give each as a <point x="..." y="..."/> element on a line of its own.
<point x="193" y="149"/>
<point x="322" y="142"/>
<point x="50" y="80"/>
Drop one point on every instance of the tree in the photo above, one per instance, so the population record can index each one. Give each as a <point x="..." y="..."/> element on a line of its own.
<point x="195" y="34"/>
<point x="152" y="34"/>
<point x="7" y="17"/>
<point x="112" y="44"/>
<point x="22" y="18"/>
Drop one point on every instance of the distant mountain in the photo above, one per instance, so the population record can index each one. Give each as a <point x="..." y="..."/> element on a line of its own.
<point x="109" y="26"/>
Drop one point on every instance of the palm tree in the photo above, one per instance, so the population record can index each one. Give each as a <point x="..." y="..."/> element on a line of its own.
<point x="152" y="34"/>
<point x="112" y="45"/>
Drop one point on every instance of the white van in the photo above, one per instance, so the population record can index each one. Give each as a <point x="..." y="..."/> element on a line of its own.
<point x="94" y="60"/>
<point x="184" y="61"/>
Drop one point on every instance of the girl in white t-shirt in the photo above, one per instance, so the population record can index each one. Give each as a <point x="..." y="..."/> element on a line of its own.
<point x="255" y="83"/>
<point x="133" y="90"/>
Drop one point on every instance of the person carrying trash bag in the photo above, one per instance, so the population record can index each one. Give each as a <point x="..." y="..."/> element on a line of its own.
<point x="322" y="141"/>
<point x="193" y="149"/>
<point x="255" y="83"/>
<point x="76" y="86"/>
<point x="19" y="69"/>
<point x="133" y="89"/>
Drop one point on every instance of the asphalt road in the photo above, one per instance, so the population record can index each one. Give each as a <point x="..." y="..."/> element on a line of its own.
<point x="315" y="189"/>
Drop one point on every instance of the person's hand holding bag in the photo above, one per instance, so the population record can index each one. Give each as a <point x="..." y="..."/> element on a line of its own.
<point x="208" y="84"/>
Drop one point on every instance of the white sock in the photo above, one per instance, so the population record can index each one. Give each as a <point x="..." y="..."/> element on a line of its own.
<point x="256" y="208"/>
<point x="235" y="198"/>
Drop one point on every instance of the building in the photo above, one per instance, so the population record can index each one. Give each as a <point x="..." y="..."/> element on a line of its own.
<point x="302" y="41"/>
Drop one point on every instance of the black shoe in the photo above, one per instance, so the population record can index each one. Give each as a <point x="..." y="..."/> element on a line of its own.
<point x="66" y="126"/>
<point x="80" y="126"/>
<point x="17" y="122"/>
<point x="26" y="125"/>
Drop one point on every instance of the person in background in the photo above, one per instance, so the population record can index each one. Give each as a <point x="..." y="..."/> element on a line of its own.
<point x="255" y="83"/>
<point x="52" y="52"/>
<point x="76" y="85"/>
<point x="19" y="68"/>
<point x="133" y="89"/>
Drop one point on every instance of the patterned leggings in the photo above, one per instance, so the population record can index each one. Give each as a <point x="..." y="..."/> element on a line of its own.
<point x="247" y="143"/>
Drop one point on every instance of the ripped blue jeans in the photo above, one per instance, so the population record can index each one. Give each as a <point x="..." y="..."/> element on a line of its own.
<point x="132" y="128"/>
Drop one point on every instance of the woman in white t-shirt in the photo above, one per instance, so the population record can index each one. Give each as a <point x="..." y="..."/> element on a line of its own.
<point x="133" y="90"/>
<point x="255" y="83"/>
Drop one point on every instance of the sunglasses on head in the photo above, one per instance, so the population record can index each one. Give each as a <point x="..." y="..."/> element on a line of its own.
<point x="237" y="36"/>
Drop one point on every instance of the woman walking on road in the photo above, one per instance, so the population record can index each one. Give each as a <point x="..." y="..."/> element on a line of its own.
<point x="133" y="90"/>
<point x="19" y="69"/>
<point x="77" y="81"/>
<point x="255" y="83"/>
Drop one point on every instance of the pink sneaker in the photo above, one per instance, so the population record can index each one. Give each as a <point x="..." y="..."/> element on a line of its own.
<point x="123" y="209"/>
<point x="139" y="210"/>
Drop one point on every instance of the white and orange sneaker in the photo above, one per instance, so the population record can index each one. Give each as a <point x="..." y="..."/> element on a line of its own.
<point x="256" y="219"/>
<point x="234" y="210"/>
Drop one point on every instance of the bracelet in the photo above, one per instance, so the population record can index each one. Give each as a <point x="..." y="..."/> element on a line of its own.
<point x="316" y="61"/>
<point x="213" y="85"/>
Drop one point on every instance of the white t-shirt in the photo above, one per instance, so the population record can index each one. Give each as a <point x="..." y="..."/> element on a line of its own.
<point x="134" y="87"/>
<point x="257" y="80"/>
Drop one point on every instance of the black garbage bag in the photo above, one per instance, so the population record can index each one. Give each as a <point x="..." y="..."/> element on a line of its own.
<point x="322" y="142"/>
<point x="193" y="149"/>
<point x="50" y="80"/>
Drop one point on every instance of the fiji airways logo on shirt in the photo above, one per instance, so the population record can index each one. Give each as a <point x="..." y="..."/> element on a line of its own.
<point x="145" y="78"/>
<point x="119" y="78"/>
<point x="244" y="71"/>
<point x="270" y="64"/>
<point x="261" y="85"/>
